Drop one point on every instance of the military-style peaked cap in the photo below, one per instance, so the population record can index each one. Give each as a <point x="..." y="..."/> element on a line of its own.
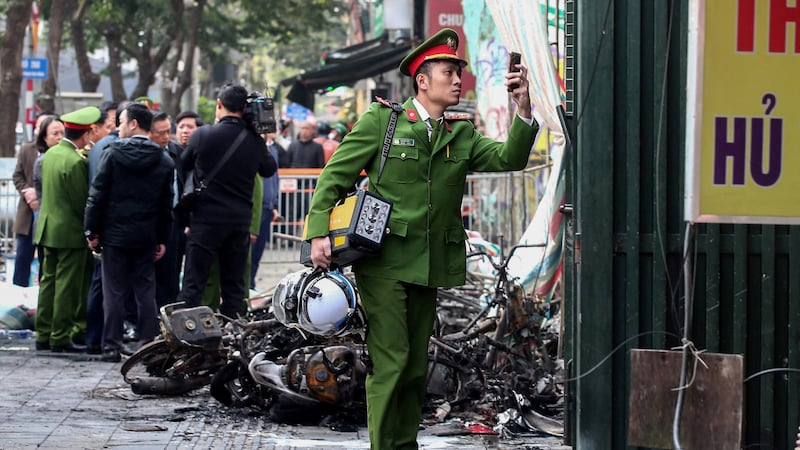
<point x="81" y="119"/>
<point x="442" y="45"/>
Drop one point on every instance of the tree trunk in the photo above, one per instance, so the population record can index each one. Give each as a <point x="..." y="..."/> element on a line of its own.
<point x="89" y="79"/>
<point x="170" y="81"/>
<point x="186" y="77"/>
<point x="149" y="56"/>
<point x="18" y="15"/>
<point x="115" y="64"/>
<point x="47" y="98"/>
<point x="169" y="102"/>
<point x="146" y="77"/>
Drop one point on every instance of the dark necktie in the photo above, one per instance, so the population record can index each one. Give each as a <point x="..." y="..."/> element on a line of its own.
<point x="434" y="129"/>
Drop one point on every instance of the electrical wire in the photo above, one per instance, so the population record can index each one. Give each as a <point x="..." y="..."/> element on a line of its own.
<point x="687" y="320"/>
<point x="611" y="353"/>
<point x="773" y="370"/>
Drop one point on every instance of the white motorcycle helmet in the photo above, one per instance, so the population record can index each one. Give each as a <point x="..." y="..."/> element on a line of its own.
<point x="319" y="302"/>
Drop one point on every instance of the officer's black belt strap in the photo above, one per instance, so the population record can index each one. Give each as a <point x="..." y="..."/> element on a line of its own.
<point x="387" y="140"/>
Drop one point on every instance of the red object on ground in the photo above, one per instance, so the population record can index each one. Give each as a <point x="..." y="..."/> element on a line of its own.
<point x="477" y="428"/>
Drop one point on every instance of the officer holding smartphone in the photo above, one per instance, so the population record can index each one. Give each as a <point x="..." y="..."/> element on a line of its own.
<point x="423" y="176"/>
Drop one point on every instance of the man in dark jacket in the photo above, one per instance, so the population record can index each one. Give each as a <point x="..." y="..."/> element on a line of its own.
<point x="168" y="268"/>
<point x="219" y="226"/>
<point x="305" y="152"/>
<point x="128" y="212"/>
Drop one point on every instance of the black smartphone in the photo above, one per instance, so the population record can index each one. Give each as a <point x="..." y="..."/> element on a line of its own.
<point x="514" y="58"/>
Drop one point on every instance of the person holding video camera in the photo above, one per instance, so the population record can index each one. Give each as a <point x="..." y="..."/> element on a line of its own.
<point x="422" y="171"/>
<point x="219" y="221"/>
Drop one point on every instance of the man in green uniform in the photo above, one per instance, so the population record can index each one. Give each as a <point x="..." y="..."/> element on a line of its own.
<point x="423" y="175"/>
<point x="64" y="280"/>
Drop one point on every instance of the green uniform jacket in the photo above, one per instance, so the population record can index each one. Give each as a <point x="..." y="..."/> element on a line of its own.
<point x="65" y="187"/>
<point x="425" y="182"/>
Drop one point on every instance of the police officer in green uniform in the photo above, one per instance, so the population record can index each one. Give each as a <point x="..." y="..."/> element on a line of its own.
<point x="64" y="279"/>
<point x="424" y="177"/>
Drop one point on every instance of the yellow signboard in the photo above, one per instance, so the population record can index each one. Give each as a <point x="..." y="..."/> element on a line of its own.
<point x="743" y="112"/>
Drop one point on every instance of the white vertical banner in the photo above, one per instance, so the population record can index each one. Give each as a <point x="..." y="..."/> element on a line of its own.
<point x="523" y="29"/>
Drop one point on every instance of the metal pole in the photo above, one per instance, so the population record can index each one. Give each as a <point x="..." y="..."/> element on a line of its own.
<point x="29" y="104"/>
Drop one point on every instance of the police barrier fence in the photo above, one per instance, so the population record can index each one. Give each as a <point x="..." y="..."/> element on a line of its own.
<point x="493" y="204"/>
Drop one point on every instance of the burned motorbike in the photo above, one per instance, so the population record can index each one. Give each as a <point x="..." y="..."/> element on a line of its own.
<point x="493" y="347"/>
<point x="305" y="355"/>
<point x="183" y="358"/>
<point x="507" y="351"/>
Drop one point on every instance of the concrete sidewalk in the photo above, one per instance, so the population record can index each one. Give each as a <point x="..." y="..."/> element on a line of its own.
<point x="72" y="402"/>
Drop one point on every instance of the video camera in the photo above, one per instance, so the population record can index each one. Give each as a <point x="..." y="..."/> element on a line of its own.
<point x="260" y="113"/>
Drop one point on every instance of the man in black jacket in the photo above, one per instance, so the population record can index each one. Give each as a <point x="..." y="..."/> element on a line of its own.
<point x="168" y="268"/>
<point x="128" y="213"/>
<point x="219" y="226"/>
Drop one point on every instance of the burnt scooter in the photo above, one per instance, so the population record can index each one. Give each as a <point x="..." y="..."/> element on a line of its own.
<point x="183" y="358"/>
<point x="310" y="353"/>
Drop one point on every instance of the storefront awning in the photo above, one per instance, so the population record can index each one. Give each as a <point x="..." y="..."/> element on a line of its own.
<point x="345" y="67"/>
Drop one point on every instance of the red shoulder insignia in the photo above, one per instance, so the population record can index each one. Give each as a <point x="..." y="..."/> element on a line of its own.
<point x="396" y="107"/>
<point x="412" y="115"/>
<point x="383" y="101"/>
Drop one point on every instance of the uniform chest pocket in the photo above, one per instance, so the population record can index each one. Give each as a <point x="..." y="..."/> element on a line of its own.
<point x="455" y="166"/>
<point x="402" y="164"/>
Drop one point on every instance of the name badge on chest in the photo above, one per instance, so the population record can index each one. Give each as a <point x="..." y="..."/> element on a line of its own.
<point x="403" y="142"/>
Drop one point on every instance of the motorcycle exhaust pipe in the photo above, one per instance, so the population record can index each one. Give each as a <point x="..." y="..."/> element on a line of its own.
<point x="269" y="374"/>
<point x="167" y="386"/>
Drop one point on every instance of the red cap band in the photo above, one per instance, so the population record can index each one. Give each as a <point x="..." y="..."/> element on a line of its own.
<point x="437" y="51"/>
<point x="75" y="126"/>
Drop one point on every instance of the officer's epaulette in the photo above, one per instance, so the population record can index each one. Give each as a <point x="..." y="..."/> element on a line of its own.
<point x="457" y="116"/>
<point x="395" y="106"/>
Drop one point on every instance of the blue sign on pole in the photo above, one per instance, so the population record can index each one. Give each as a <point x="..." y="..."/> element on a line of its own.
<point x="297" y="112"/>
<point x="35" y="68"/>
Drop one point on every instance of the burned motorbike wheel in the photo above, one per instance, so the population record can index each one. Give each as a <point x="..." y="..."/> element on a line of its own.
<point x="233" y="386"/>
<point x="152" y="370"/>
<point x="152" y="360"/>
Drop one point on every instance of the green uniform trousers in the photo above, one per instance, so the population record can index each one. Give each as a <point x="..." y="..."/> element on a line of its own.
<point x="400" y="319"/>
<point x="63" y="285"/>
<point x="213" y="291"/>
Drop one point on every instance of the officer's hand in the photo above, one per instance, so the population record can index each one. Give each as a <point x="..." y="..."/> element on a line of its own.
<point x="160" y="250"/>
<point x="93" y="243"/>
<point x="321" y="252"/>
<point x="520" y="95"/>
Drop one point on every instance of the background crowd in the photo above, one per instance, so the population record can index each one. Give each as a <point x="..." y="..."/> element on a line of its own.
<point x="99" y="212"/>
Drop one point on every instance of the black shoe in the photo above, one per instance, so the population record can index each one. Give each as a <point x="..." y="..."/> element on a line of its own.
<point x="42" y="346"/>
<point x="67" y="348"/>
<point x="111" y="355"/>
<point x="129" y="348"/>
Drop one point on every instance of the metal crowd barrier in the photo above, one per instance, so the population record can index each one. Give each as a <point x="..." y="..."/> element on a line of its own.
<point x="494" y="204"/>
<point x="8" y="209"/>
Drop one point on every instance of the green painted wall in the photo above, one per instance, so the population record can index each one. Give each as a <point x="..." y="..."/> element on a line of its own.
<point x="623" y="270"/>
